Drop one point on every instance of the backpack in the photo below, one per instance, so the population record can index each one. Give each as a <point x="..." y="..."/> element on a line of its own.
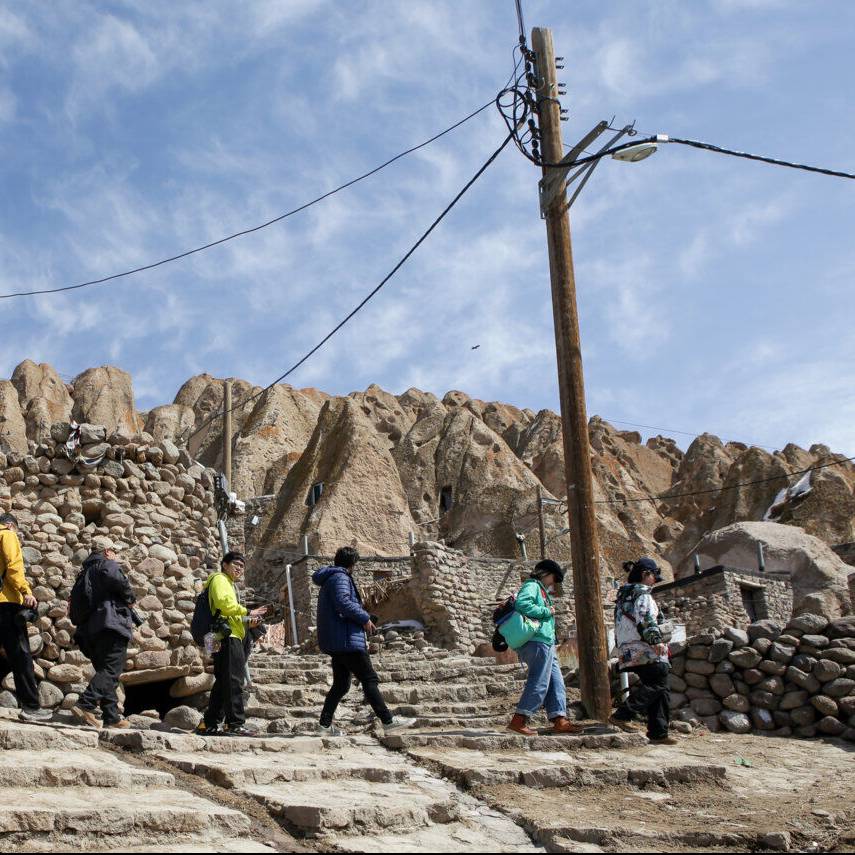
<point x="203" y="617"/>
<point x="80" y="600"/>
<point x="500" y="615"/>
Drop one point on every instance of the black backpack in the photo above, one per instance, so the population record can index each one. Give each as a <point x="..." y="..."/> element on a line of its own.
<point x="80" y="603"/>
<point x="504" y="611"/>
<point x="200" y="625"/>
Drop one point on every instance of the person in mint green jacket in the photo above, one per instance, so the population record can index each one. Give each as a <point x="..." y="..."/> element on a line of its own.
<point x="544" y="685"/>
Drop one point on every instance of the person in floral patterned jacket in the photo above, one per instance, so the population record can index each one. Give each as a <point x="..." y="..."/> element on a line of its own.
<point x="642" y="650"/>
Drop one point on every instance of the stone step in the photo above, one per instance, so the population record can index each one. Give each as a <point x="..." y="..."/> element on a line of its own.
<point x="17" y="735"/>
<point x="157" y="741"/>
<point x="478" y="835"/>
<point x="315" y="808"/>
<point x="315" y="762"/>
<point x="84" y="768"/>
<point x="167" y="843"/>
<point x="544" y="769"/>
<point x="393" y="693"/>
<point x="496" y="741"/>
<point x="116" y="816"/>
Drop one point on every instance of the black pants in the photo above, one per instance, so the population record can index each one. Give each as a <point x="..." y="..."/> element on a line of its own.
<point x="651" y="698"/>
<point x="226" y="700"/>
<point x="345" y="665"/>
<point x="108" y="651"/>
<point x="13" y="638"/>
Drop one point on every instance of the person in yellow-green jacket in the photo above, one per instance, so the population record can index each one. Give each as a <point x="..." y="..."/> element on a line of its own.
<point x="16" y="599"/>
<point x="226" y="702"/>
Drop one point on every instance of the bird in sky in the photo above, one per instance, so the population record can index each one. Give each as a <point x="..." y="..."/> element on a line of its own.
<point x="476" y="347"/>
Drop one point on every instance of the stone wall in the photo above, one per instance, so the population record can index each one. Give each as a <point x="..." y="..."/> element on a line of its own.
<point x="456" y="594"/>
<point x="799" y="680"/>
<point x="154" y="504"/>
<point x="722" y="597"/>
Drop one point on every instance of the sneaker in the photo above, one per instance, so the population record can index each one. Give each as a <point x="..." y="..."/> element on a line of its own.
<point x="624" y="724"/>
<point x="120" y="724"/>
<point x="332" y="730"/>
<point x="398" y="723"/>
<point x="664" y="740"/>
<point x="86" y="717"/>
<point x="202" y="729"/>
<point x="241" y="730"/>
<point x="35" y="715"/>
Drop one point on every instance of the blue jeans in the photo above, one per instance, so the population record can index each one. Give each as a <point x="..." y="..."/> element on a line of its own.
<point x="544" y="686"/>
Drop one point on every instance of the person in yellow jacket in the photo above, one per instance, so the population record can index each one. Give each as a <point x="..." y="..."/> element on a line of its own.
<point x="226" y="700"/>
<point x="15" y="598"/>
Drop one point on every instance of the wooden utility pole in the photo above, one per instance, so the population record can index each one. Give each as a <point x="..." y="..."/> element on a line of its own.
<point x="591" y="630"/>
<point x="227" y="432"/>
<point x="541" y="523"/>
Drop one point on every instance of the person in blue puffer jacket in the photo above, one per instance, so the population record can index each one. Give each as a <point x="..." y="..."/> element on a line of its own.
<point x="343" y="625"/>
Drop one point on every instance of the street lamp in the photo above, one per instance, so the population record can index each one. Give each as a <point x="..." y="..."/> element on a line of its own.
<point x="634" y="153"/>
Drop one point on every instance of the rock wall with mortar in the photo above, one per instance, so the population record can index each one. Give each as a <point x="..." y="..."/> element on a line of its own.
<point x="156" y="506"/>
<point x="721" y="596"/>
<point x="793" y="680"/>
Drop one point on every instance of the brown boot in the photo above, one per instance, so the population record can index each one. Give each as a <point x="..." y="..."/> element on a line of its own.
<point x="624" y="725"/>
<point x="561" y="725"/>
<point x="664" y="740"/>
<point x="519" y="725"/>
<point x="86" y="717"/>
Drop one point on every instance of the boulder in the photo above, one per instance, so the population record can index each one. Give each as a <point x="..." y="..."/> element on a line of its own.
<point x="275" y="434"/>
<point x="184" y="687"/>
<point x="104" y="396"/>
<point x="808" y="623"/>
<point x="43" y="397"/>
<point x="184" y="718"/>
<point x="13" y="428"/>
<point x="363" y="500"/>
<point x="170" y="423"/>
<point x="817" y="574"/>
<point x="735" y="722"/>
<point x="739" y="637"/>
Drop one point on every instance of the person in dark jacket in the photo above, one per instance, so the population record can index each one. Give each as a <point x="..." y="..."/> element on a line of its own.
<point x="342" y="627"/>
<point x="104" y="639"/>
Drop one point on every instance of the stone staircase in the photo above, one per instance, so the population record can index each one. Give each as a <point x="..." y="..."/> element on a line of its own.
<point x="347" y="794"/>
<point x="61" y="793"/>
<point x="438" y="687"/>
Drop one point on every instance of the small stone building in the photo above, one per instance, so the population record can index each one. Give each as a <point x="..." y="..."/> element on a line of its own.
<point x="726" y="596"/>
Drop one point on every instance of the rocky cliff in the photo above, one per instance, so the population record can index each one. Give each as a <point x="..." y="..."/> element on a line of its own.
<point x="457" y="468"/>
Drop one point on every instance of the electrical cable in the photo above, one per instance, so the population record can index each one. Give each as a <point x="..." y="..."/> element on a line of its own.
<point x="520" y="20"/>
<point x="659" y="138"/>
<point x="724" y="489"/>
<point x="368" y="297"/>
<point x="252" y="229"/>
<point x="683" y="432"/>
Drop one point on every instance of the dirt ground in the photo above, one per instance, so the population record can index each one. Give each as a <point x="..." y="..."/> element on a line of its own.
<point x="778" y="794"/>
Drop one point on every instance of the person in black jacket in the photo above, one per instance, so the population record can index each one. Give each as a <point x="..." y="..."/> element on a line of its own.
<point x="104" y="638"/>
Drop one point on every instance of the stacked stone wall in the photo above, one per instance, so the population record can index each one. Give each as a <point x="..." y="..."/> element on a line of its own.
<point x="456" y="594"/>
<point x="154" y="504"/>
<point x="714" y="599"/>
<point x="798" y="680"/>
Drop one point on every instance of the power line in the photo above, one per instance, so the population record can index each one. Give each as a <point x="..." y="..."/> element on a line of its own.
<point x="724" y="488"/>
<point x="683" y="432"/>
<point x="368" y="297"/>
<point x="762" y="158"/>
<point x="252" y="229"/>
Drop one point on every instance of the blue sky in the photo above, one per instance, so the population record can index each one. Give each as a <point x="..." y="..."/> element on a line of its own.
<point x="715" y="294"/>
